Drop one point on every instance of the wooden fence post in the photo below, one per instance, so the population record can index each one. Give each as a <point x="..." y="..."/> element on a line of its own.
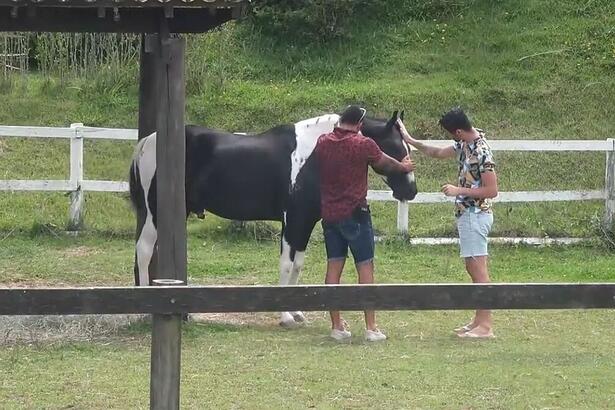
<point x="75" y="213"/>
<point x="165" y="356"/>
<point x="402" y="217"/>
<point x="171" y="215"/>
<point x="609" y="186"/>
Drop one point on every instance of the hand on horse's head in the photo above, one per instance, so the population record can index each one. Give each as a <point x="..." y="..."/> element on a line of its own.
<point x="408" y="164"/>
<point x="404" y="132"/>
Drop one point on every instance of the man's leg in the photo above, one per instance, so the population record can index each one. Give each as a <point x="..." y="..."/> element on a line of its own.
<point x="362" y="248"/>
<point x="337" y="249"/>
<point x="366" y="276"/>
<point x="473" y="231"/>
<point x="477" y="268"/>
<point x="334" y="274"/>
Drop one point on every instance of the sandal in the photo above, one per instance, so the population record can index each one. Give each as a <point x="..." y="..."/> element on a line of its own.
<point x="472" y="335"/>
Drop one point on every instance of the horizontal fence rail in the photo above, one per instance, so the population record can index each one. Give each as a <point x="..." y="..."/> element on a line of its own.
<point x="215" y="299"/>
<point x="76" y="133"/>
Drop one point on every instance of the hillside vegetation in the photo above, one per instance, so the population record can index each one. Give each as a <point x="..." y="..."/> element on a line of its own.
<point x="522" y="69"/>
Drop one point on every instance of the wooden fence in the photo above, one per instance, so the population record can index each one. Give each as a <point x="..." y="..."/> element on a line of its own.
<point x="77" y="185"/>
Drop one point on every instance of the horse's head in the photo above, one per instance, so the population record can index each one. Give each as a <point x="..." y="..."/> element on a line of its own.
<point x="387" y="136"/>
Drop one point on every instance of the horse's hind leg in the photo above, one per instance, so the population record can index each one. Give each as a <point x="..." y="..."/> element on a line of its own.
<point x="145" y="250"/>
<point x="146" y="228"/>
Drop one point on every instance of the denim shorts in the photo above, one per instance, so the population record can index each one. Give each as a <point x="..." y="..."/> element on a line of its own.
<point x="354" y="233"/>
<point x="474" y="228"/>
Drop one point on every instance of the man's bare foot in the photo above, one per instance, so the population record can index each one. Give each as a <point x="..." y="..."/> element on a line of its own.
<point x="479" y="332"/>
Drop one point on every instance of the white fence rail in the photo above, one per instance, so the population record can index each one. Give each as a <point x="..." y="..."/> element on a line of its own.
<point x="76" y="185"/>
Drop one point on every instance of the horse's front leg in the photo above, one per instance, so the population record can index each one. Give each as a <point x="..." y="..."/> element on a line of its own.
<point x="286" y="265"/>
<point x="298" y="262"/>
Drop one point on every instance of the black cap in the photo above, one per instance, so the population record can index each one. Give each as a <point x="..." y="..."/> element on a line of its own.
<point x="353" y="114"/>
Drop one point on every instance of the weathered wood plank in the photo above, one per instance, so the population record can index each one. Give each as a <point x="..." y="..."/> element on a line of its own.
<point x="519" y="196"/>
<point x="609" y="187"/>
<point x="537" y="145"/>
<point x="45" y="301"/>
<point x="165" y="358"/>
<point x="131" y="20"/>
<point x="170" y="161"/>
<point x="36" y="185"/>
<point x="148" y="90"/>
<point x="129" y="3"/>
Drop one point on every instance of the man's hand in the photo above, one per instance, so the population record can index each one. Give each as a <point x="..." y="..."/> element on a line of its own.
<point x="408" y="164"/>
<point x="404" y="132"/>
<point x="450" y="190"/>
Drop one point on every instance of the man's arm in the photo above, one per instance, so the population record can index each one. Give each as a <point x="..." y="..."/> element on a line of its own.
<point x="429" y="150"/>
<point x="487" y="189"/>
<point x="387" y="165"/>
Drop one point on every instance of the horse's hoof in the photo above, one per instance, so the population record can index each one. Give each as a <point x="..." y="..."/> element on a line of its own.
<point x="288" y="324"/>
<point x="299" y="317"/>
<point x="287" y="320"/>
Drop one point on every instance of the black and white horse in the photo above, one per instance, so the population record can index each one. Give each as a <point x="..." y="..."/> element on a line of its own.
<point x="269" y="176"/>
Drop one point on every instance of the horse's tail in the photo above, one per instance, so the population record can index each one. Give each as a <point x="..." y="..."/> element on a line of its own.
<point x="137" y="196"/>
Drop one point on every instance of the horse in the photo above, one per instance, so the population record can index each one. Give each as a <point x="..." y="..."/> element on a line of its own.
<point x="271" y="176"/>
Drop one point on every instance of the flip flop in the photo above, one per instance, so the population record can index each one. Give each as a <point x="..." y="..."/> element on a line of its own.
<point x="463" y="329"/>
<point x="471" y="335"/>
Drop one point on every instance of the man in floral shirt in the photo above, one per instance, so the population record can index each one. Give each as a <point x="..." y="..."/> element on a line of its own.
<point x="477" y="184"/>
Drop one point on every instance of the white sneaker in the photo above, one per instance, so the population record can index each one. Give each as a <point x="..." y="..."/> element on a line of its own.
<point x="342" y="336"/>
<point x="374" y="336"/>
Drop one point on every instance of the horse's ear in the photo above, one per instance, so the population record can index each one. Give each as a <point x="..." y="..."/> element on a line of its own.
<point x="393" y="119"/>
<point x="401" y="116"/>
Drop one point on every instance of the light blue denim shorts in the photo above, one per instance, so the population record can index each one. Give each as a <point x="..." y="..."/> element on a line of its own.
<point x="474" y="228"/>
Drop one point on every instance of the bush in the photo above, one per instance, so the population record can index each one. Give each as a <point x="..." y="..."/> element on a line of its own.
<point x="305" y="20"/>
<point x="325" y="20"/>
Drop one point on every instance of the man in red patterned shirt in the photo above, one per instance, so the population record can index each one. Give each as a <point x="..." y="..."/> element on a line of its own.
<point x="343" y="157"/>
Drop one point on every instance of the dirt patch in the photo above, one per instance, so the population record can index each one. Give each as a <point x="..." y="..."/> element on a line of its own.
<point x="79" y="328"/>
<point x="80" y="251"/>
<point x="247" y="319"/>
<point x="70" y="328"/>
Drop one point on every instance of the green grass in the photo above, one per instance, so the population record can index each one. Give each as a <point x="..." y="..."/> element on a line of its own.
<point x="221" y="256"/>
<point x="540" y="360"/>
<point x="425" y="58"/>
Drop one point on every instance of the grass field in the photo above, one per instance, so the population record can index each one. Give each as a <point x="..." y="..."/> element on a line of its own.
<point x="524" y="69"/>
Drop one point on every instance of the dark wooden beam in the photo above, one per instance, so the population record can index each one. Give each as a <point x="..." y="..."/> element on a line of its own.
<point x="148" y="93"/>
<point x="148" y="109"/>
<point x="308" y="298"/>
<point x="171" y="159"/>
<point x="222" y="4"/>
<point x="165" y="358"/>
<point x="131" y="20"/>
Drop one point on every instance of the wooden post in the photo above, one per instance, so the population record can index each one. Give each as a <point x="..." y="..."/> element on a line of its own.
<point x="148" y="108"/>
<point x="171" y="214"/>
<point x="75" y="212"/>
<point x="402" y="217"/>
<point x="171" y="160"/>
<point x="609" y="187"/>
<point x="165" y="357"/>
<point x="148" y="91"/>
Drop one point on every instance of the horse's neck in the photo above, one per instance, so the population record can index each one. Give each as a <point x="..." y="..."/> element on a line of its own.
<point x="307" y="133"/>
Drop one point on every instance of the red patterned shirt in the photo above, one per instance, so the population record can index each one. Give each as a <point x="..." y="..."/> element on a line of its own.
<point x="343" y="158"/>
